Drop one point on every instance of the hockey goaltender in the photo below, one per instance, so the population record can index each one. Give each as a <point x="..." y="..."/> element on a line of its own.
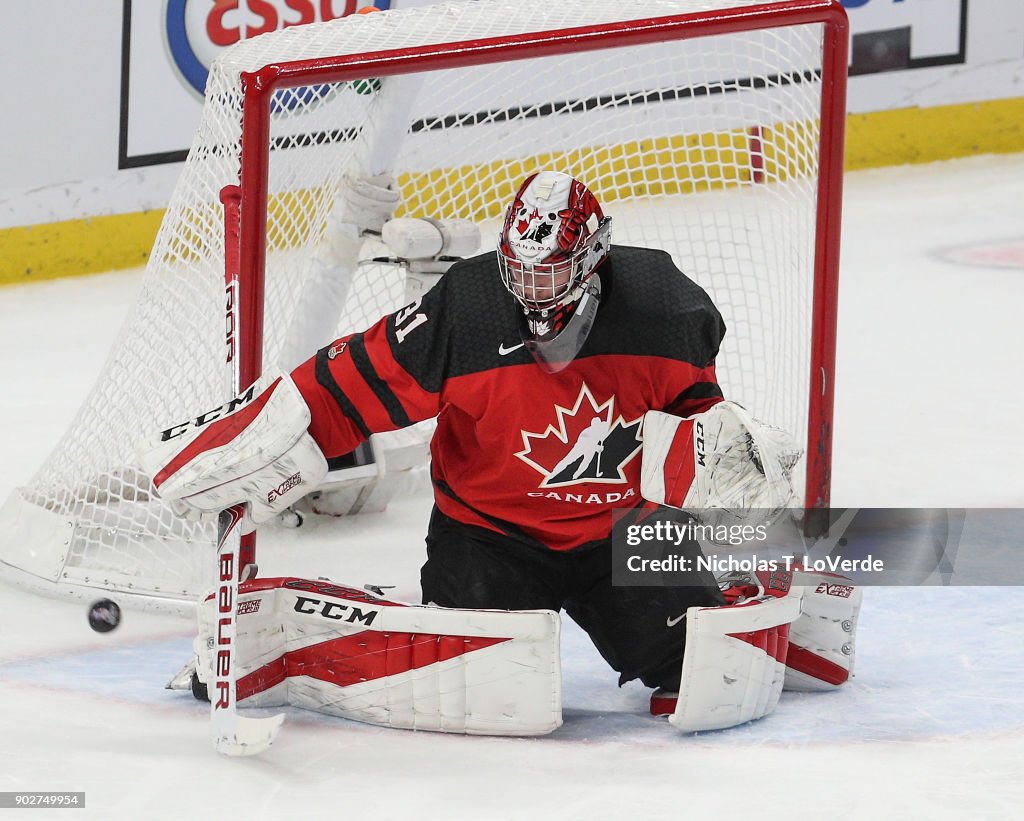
<point x="611" y="349"/>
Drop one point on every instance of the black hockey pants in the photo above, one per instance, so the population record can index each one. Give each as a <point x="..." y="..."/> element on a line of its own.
<point x="637" y="630"/>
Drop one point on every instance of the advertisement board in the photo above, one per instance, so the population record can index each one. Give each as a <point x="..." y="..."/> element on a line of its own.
<point x="166" y="57"/>
<point x="900" y="35"/>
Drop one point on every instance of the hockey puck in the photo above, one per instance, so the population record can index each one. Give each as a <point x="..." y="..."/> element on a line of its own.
<point x="104" y="615"/>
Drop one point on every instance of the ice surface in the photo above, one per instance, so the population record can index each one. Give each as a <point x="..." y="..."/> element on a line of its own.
<point x="928" y="407"/>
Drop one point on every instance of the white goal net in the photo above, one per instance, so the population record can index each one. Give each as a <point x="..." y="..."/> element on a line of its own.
<point x="704" y="127"/>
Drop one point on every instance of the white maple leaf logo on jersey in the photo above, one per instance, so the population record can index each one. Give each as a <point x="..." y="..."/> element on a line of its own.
<point x="586" y="443"/>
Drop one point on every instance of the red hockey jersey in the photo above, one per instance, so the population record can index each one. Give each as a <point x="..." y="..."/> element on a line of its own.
<point x="542" y="456"/>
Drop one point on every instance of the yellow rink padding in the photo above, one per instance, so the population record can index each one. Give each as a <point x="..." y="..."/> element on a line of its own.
<point x="73" y="247"/>
<point x="682" y="164"/>
<point x="904" y="136"/>
<point x="909" y="136"/>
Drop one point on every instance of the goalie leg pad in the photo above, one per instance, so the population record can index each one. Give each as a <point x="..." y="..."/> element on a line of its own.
<point x="347" y="653"/>
<point x="735" y="662"/>
<point x="823" y="638"/>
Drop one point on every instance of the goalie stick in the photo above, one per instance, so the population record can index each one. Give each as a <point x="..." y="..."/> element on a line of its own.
<point x="233" y="734"/>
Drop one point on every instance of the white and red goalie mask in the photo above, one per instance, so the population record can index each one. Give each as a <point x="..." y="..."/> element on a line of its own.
<point x="554" y="237"/>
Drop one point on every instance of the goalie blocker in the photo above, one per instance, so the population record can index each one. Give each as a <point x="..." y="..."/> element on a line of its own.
<point x="254" y="449"/>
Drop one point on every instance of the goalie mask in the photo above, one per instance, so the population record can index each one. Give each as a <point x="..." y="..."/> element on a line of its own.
<point x="554" y="237"/>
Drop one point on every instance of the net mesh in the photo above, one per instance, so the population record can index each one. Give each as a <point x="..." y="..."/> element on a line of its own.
<point x="706" y="147"/>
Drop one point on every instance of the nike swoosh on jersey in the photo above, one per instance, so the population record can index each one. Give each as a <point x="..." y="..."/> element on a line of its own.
<point x="503" y="351"/>
<point x="670" y="622"/>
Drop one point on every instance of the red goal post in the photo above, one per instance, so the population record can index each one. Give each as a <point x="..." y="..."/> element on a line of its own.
<point x="711" y="129"/>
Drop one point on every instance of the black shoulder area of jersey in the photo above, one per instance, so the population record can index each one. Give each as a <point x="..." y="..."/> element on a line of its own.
<point x="648" y="308"/>
<point x="651" y="308"/>
<point x="472" y="318"/>
<point x="475" y="297"/>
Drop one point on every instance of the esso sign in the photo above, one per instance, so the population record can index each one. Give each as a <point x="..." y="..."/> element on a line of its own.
<point x="198" y="30"/>
<point x="229" y="21"/>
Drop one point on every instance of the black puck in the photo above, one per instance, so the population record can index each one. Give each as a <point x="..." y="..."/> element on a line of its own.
<point x="104" y="615"/>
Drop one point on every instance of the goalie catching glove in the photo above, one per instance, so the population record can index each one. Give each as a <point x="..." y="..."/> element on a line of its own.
<point x="723" y="466"/>
<point x="254" y="449"/>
